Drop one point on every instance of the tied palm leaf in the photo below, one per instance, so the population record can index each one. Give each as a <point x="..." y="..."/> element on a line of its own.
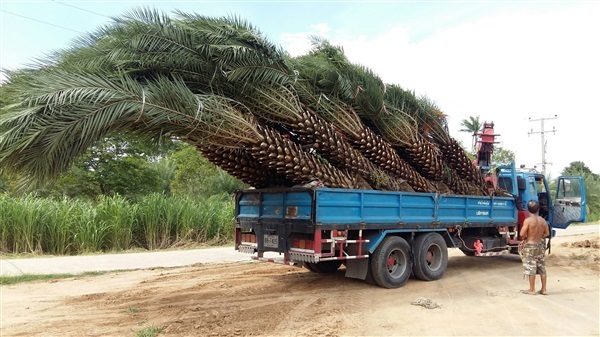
<point x="211" y="55"/>
<point x="369" y="144"/>
<point x="204" y="80"/>
<point x="241" y="164"/>
<point x="372" y="102"/>
<point x="323" y="89"/>
<point x="44" y="134"/>
<point x="282" y="106"/>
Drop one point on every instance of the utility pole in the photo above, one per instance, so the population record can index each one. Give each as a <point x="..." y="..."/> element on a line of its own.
<point x="542" y="132"/>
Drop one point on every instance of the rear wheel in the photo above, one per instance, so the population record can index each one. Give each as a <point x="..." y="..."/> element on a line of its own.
<point x="390" y="262"/>
<point x="308" y="266"/>
<point x="430" y="256"/>
<point x="323" y="267"/>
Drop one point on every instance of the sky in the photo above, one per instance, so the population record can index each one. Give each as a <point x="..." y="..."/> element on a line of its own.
<point x="513" y="63"/>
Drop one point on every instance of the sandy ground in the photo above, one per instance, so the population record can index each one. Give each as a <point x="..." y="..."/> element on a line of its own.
<point x="476" y="296"/>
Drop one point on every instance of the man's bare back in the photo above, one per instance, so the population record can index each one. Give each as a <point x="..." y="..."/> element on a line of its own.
<point x="534" y="229"/>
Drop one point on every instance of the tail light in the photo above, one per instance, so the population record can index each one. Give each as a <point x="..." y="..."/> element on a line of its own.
<point x="303" y="244"/>
<point x="248" y="238"/>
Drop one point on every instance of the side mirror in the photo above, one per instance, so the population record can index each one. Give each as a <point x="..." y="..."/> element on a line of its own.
<point x="521" y="183"/>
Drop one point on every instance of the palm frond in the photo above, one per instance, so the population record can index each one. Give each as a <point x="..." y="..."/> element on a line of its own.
<point x="62" y="119"/>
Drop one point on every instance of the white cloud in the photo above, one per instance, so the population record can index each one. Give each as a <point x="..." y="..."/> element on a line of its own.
<point x="505" y="68"/>
<point x="299" y="43"/>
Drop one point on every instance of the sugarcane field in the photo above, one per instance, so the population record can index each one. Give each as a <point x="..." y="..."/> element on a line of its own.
<point x="174" y="172"/>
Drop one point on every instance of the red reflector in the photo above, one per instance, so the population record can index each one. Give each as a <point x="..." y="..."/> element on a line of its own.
<point x="296" y="243"/>
<point x="309" y="244"/>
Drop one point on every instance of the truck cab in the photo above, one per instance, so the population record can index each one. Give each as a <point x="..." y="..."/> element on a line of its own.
<point x="566" y="205"/>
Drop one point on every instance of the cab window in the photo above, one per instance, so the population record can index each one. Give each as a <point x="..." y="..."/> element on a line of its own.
<point x="532" y="189"/>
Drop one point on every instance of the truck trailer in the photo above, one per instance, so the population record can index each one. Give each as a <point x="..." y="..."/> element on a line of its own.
<point x="384" y="237"/>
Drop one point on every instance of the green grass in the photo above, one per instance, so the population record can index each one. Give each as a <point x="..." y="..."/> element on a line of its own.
<point x="133" y="311"/>
<point x="150" y="331"/>
<point x="34" y="225"/>
<point x="579" y="256"/>
<point x="10" y="280"/>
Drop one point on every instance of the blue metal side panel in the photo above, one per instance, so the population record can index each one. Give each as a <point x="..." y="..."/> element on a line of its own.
<point x="343" y="206"/>
<point x="377" y="207"/>
<point x="417" y="208"/>
<point x="249" y="205"/>
<point x="476" y="209"/>
<point x="272" y="206"/>
<point x="338" y="206"/>
<point x="301" y="202"/>
<point x="275" y="205"/>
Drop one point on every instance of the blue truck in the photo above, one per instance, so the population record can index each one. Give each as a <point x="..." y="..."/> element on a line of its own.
<point x="384" y="237"/>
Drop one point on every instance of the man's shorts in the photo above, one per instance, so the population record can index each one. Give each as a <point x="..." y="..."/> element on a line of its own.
<point x="533" y="259"/>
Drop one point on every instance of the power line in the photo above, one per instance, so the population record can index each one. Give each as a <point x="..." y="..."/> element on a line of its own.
<point x="81" y="9"/>
<point x="40" y="21"/>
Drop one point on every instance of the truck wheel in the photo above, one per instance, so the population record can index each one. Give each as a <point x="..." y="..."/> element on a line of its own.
<point x="430" y="256"/>
<point x="308" y="266"/>
<point x="390" y="263"/>
<point x="323" y="267"/>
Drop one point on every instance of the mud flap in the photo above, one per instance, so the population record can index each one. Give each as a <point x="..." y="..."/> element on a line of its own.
<point x="357" y="268"/>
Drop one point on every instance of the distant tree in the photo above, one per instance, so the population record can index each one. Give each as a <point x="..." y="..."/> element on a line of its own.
<point x="472" y="126"/>
<point x="165" y="167"/>
<point x="191" y="170"/>
<point x="195" y="175"/>
<point x="116" y="165"/>
<point x="502" y="156"/>
<point x="578" y="168"/>
<point x="4" y="184"/>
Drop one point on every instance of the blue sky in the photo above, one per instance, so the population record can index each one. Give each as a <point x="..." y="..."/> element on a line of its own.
<point x="506" y="61"/>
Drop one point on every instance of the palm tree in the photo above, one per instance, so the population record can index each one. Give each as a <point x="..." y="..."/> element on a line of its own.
<point x="218" y="84"/>
<point x="472" y="126"/>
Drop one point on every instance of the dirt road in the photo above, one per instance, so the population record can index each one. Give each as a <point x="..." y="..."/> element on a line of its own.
<point x="476" y="296"/>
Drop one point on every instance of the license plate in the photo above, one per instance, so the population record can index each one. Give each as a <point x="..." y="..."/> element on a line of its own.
<point x="271" y="241"/>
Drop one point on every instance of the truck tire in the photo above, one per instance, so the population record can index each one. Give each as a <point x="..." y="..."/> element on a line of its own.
<point x="430" y="255"/>
<point x="308" y="266"/>
<point x="391" y="263"/>
<point x="323" y="267"/>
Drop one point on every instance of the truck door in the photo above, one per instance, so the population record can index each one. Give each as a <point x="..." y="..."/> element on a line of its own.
<point x="569" y="202"/>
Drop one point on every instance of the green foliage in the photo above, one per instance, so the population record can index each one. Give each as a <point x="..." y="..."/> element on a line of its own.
<point x="502" y="156"/>
<point x="4" y="183"/>
<point x="10" y="280"/>
<point x="194" y="175"/>
<point x="578" y="168"/>
<point x="473" y="126"/>
<point x="191" y="170"/>
<point x="117" y="165"/>
<point x="150" y="331"/>
<point x="74" y="226"/>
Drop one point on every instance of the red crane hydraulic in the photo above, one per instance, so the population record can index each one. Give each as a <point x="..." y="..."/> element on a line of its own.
<point x="485" y="149"/>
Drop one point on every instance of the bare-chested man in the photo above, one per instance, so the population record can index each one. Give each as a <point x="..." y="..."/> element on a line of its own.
<point x="533" y="231"/>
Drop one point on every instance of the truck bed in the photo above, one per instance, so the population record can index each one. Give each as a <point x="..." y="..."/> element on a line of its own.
<point x="327" y="208"/>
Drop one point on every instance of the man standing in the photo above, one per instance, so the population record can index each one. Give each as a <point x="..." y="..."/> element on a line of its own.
<point x="533" y="231"/>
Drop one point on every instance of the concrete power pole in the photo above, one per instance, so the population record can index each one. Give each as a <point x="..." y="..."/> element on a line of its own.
<point x="542" y="132"/>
